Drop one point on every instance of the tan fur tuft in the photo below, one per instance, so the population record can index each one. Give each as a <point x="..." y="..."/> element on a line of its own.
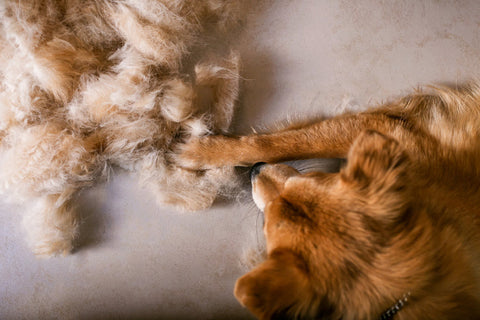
<point x="89" y="84"/>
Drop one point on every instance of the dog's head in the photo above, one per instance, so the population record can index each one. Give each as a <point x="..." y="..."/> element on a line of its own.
<point x="324" y="230"/>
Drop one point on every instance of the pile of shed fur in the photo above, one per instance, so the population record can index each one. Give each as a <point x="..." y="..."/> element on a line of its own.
<point x="88" y="84"/>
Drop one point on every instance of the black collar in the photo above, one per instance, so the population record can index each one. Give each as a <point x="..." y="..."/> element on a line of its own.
<point x="391" y="312"/>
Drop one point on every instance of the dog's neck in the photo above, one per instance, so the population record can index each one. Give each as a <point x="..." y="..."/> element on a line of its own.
<point x="392" y="311"/>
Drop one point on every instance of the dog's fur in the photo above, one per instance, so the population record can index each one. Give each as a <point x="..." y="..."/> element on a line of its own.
<point x="401" y="217"/>
<point x="85" y="84"/>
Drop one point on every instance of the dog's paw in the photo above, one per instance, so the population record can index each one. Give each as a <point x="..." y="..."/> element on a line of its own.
<point x="204" y="153"/>
<point x="195" y="154"/>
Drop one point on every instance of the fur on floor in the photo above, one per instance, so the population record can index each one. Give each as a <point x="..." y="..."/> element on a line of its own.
<point x="85" y="85"/>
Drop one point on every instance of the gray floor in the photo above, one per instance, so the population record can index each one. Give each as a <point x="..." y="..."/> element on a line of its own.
<point x="300" y="58"/>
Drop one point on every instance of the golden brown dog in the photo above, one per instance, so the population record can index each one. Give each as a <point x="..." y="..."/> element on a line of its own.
<point x="395" y="233"/>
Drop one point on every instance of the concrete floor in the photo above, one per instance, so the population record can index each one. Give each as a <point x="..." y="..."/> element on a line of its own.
<point x="140" y="261"/>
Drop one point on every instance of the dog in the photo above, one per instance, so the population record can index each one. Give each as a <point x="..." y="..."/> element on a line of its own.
<point x="394" y="233"/>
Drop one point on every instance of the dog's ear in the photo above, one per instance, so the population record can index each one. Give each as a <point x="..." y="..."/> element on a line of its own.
<point x="278" y="288"/>
<point x="377" y="167"/>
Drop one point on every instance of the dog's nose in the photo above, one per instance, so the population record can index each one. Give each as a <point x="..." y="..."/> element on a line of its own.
<point x="255" y="170"/>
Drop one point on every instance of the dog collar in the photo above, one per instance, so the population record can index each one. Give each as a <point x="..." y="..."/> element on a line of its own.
<point x="392" y="311"/>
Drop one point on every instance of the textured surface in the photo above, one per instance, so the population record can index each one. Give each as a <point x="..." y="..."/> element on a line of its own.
<point x="138" y="260"/>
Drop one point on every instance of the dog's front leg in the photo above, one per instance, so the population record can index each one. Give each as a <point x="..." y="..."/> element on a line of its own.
<point x="325" y="139"/>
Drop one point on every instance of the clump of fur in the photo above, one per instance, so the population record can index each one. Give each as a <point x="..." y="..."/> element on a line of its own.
<point x="89" y="84"/>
